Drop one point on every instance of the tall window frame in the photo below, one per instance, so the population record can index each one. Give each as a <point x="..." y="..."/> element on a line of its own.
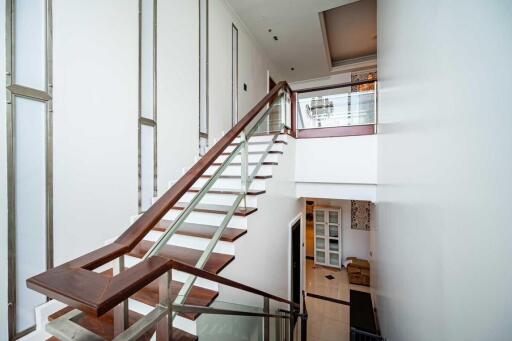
<point x="27" y="92"/>
<point x="203" y="75"/>
<point x="234" y="74"/>
<point x="147" y="110"/>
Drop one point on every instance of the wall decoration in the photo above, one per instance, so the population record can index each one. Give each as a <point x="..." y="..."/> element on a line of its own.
<point x="363" y="76"/>
<point x="360" y="215"/>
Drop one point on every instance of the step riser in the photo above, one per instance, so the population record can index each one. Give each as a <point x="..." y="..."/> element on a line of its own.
<point x="257" y="184"/>
<point x="209" y="219"/>
<point x="193" y="242"/>
<point x="220" y="199"/>
<point x="178" y="276"/>
<point x="252" y="158"/>
<point x="258" y="147"/>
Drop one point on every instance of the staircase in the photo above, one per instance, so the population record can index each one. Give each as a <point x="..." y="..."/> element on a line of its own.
<point x="195" y="231"/>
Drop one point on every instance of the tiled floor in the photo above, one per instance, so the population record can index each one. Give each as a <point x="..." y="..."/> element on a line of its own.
<point x="327" y="320"/>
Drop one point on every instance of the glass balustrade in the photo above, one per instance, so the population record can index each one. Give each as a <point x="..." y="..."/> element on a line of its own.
<point x="336" y="107"/>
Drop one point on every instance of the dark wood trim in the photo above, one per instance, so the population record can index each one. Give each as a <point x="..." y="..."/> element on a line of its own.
<point x="259" y="152"/>
<point x="237" y="177"/>
<point x="368" y="129"/>
<point x="293" y="96"/>
<point x="334" y="86"/>
<point x="75" y="284"/>
<point x="261" y="142"/>
<point x="264" y="163"/>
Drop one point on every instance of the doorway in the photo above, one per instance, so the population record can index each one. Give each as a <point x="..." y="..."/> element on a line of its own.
<point x="295" y="263"/>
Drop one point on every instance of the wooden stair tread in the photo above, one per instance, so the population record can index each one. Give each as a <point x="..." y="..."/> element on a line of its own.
<point x="198" y="296"/>
<point x="220" y="209"/>
<point x="104" y="327"/>
<point x="230" y="234"/>
<point x="215" y="263"/>
<point x="238" y="176"/>
<point x="264" y="163"/>
<point x="260" y="142"/>
<point x="260" y="152"/>
<point x="227" y="191"/>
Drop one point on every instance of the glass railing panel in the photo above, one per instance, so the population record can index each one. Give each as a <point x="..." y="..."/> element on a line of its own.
<point x="270" y="120"/>
<point x="338" y="107"/>
<point x="229" y="321"/>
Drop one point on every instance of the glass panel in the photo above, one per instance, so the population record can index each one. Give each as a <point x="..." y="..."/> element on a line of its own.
<point x="334" y="259"/>
<point x="320" y="216"/>
<point x="320" y="243"/>
<point x="203" y="66"/>
<point x="333" y="231"/>
<point x="147" y="166"/>
<point x="30" y="213"/>
<point x="320" y="257"/>
<point x="146" y="55"/>
<point x="336" y="107"/>
<point x="234" y="74"/>
<point x="30" y="43"/>
<point x="203" y="145"/>
<point x="333" y="217"/>
<point x="333" y="245"/>
<point x="231" y="327"/>
<point x="320" y="229"/>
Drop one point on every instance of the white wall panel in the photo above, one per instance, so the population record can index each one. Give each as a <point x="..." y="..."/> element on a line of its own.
<point x="351" y="159"/>
<point x="443" y="239"/>
<point x="95" y="122"/>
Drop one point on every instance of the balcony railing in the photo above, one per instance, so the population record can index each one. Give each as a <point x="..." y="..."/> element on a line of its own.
<point x="336" y="110"/>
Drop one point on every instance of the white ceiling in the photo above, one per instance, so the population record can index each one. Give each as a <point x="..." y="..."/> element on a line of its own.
<point x="296" y="23"/>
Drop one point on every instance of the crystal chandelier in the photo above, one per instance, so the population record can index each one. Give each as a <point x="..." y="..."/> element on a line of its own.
<point x="320" y="109"/>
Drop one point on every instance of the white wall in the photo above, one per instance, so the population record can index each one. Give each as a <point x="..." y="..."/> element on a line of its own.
<point x="178" y="88"/>
<point x="337" y="160"/>
<point x="262" y="254"/>
<point x="323" y="81"/>
<point x="252" y="68"/>
<point x="3" y="186"/>
<point x="443" y="238"/>
<point x="95" y="49"/>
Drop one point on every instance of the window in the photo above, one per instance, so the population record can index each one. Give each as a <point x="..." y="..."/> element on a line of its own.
<point x="203" y="76"/>
<point x="29" y="136"/>
<point x="234" y="75"/>
<point x="147" y="104"/>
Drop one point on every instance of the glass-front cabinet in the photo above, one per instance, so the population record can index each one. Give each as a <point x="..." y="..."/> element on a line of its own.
<point x="328" y="242"/>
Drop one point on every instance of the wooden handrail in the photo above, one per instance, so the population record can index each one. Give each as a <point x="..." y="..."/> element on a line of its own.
<point x="96" y="294"/>
<point x="74" y="282"/>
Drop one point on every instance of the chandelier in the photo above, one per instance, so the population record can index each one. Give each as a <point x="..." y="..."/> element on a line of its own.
<point x="320" y="109"/>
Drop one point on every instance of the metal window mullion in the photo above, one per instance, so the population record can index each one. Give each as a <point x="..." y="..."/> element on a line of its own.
<point x="155" y="129"/>
<point x="49" y="134"/>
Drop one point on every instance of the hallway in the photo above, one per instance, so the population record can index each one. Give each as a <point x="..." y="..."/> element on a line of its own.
<point x="328" y="320"/>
